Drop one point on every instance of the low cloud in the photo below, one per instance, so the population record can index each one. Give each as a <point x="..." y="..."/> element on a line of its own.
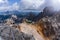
<point x="56" y="4"/>
<point x="40" y="4"/>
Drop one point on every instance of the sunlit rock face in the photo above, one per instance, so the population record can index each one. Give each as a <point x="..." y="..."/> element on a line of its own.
<point x="30" y="29"/>
<point x="10" y="33"/>
<point x="51" y="27"/>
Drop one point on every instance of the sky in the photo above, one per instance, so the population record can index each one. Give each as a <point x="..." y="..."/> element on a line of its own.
<point x="11" y="5"/>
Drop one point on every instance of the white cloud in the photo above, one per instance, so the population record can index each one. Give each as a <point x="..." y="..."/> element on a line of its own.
<point x="4" y="6"/>
<point x="56" y="4"/>
<point x="24" y="4"/>
<point x="15" y="6"/>
<point x="31" y="4"/>
<point x="3" y="1"/>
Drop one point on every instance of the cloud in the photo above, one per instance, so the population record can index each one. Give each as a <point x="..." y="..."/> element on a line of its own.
<point x="22" y="5"/>
<point x="39" y="4"/>
<point x="4" y="6"/>
<point x="53" y="3"/>
<point x="3" y="1"/>
<point x="56" y="4"/>
<point x="31" y="4"/>
<point x="15" y="6"/>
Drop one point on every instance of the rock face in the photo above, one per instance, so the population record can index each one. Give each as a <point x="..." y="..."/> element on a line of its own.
<point x="47" y="11"/>
<point x="49" y="27"/>
<point x="10" y="33"/>
<point x="30" y="29"/>
<point x="52" y="27"/>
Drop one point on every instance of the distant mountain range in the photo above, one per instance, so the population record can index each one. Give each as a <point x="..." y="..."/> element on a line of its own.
<point x="33" y="16"/>
<point x="17" y="12"/>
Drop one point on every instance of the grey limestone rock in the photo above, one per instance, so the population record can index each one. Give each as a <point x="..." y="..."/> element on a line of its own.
<point x="10" y="33"/>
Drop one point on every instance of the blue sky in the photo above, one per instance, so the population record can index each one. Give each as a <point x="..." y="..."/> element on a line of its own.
<point x="13" y="1"/>
<point x="11" y="5"/>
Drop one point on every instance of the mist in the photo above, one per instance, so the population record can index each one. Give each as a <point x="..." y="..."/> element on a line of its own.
<point x="53" y="3"/>
<point x="39" y="4"/>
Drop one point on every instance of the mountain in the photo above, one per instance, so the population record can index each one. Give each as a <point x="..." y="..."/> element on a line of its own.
<point x="45" y="25"/>
<point x="20" y="15"/>
<point x="50" y="24"/>
<point x="10" y="33"/>
<point x="47" y="11"/>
